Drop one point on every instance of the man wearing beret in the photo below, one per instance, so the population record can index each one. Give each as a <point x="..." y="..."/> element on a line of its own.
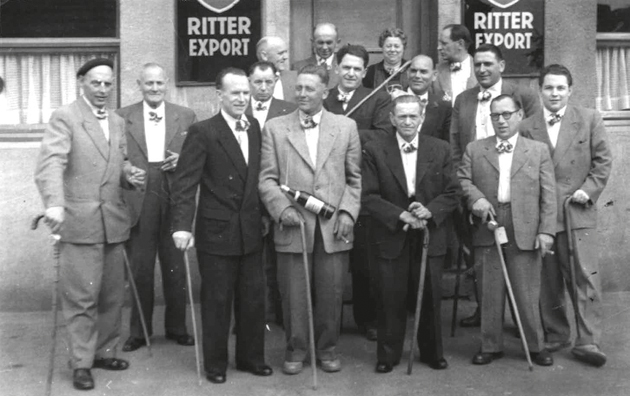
<point x="80" y="173"/>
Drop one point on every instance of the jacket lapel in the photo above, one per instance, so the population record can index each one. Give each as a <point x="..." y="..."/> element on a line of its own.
<point x="136" y="128"/>
<point x="490" y="152"/>
<point x="423" y="161"/>
<point x="253" y="135"/>
<point x="172" y="124"/>
<point x="93" y="128"/>
<point x="519" y="158"/>
<point x="332" y="104"/>
<point x="231" y="147"/>
<point x="569" y="128"/>
<point x="358" y="96"/>
<point x="430" y="116"/>
<point x="296" y="137"/>
<point x="393" y="160"/>
<point x="327" y="137"/>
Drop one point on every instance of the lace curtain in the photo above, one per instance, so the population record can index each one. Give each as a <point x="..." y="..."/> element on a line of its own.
<point x="613" y="78"/>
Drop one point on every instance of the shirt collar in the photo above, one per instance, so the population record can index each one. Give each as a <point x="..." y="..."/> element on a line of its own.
<point x="255" y="102"/>
<point x="560" y="112"/>
<point x="402" y="141"/>
<point x="231" y="121"/>
<point x="423" y="96"/>
<point x="158" y="110"/>
<point x="495" y="89"/>
<point x="329" y="60"/>
<point x="511" y="140"/>
<point x="317" y="117"/>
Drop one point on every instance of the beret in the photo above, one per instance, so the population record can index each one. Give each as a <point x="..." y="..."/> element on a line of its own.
<point x="92" y="63"/>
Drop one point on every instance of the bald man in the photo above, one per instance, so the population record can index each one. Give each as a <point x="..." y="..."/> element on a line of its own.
<point x="274" y="49"/>
<point x="325" y="41"/>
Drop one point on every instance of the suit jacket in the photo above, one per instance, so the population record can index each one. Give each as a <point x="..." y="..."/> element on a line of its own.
<point x="333" y="77"/>
<point x="336" y="177"/>
<point x="437" y="118"/>
<point x="177" y="118"/>
<point x="78" y="169"/>
<point x="229" y="211"/>
<point x="289" y="78"/>
<point x="376" y="74"/>
<point x="372" y="117"/>
<point x="277" y="108"/>
<point x="385" y="194"/>
<point x="582" y="159"/>
<point x="532" y="188"/>
<point x="443" y="80"/>
<point x="465" y="113"/>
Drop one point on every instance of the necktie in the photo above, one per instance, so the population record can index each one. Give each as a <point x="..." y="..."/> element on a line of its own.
<point x="322" y="62"/>
<point x="260" y="106"/>
<point x="408" y="148"/>
<point x="484" y="96"/>
<point x="554" y="118"/>
<point x="242" y="125"/>
<point x="101" y="114"/>
<point x="455" y="66"/>
<point x="308" y="122"/>
<point x="154" y="117"/>
<point x="343" y="97"/>
<point x="504" y="147"/>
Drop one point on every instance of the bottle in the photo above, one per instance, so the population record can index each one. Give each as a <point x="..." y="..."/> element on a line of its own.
<point x="310" y="202"/>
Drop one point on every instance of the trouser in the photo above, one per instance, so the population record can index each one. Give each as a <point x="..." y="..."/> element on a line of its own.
<point x="363" y="268"/>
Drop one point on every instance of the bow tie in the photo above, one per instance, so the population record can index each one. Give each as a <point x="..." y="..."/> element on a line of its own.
<point x="484" y="96"/>
<point x="308" y="122"/>
<point x="343" y="97"/>
<point x="408" y="148"/>
<point x="154" y="117"/>
<point x="101" y="114"/>
<point x="261" y="107"/>
<point x="390" y="70"/>
<point x="242" y="125"/>
<point x="504" y="147"/>
<point x="455" y="66"/>
<point x="554" y="118"/>
<point x="423" y="101"/>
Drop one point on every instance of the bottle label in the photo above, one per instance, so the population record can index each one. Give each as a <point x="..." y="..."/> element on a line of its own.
<point x="314" y="205"/>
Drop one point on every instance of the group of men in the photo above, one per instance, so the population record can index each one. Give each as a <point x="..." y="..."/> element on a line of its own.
<point x="458" y="140"/>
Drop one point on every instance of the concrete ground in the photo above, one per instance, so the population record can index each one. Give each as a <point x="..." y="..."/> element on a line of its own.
<point x="25" y="344"/>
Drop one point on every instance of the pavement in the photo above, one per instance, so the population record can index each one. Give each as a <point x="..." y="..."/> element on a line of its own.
<point x="25" y="346"/>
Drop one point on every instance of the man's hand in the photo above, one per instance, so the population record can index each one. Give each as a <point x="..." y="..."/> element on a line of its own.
<point x="481" y="208"/>
<point x="170" y="163"/>
<point x="579" y="196"/>
<point x="412" y="221"/>
<point x="343" y="226"/>
<point x="266" y="226"/>
<point x="135" y="176"/>
<point x="183" y="240"/>
<point x="290" y="217"/>
<point x="420" y="211"/>
<point x="54" y="218"/>
<point x="544" y="242"/>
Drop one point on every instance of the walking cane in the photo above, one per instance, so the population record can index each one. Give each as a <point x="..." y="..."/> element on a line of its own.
<point x="499" y="236"/>
<point x="416" y="320"/>
<point x="136" y="297"/>
<point x="568" y="225"/>
<point x="309" y="305"/>
<point x="51" y="362"/>
<point x="192" y="315"/>
<point x="460" y="256"/>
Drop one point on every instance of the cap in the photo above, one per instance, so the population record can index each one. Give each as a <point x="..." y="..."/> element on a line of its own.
<point x="92" y="63"/>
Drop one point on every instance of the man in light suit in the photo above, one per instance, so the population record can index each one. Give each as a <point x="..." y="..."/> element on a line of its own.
<point x="274" y="49"/>
<point x="81" y="169"/>
<point x="221" y="158"/>
<point x="324" y="41"/>
<point x="155" y="131"/>
<point x="470" y="121"/>
<point x="408" y="181"/>
<point x="510" y="178"/>
<point x="456" y="73"/>
<point x="581" y="155"/>
<point x="314" y="151"/>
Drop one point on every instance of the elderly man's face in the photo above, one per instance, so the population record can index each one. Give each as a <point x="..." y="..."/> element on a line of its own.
<point x="278" y="54"/>
<point x="406" y="118"/>
<point x="152" y="84"/>
<point x="325" y="41"/>
<point x="97" y="84"/>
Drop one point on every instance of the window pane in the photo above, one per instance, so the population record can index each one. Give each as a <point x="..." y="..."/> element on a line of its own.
<point x="613" y="16"/>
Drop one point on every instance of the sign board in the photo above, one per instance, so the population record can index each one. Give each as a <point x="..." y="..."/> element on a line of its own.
<point x="213" y="35"/>
<point x="515" y="26"/>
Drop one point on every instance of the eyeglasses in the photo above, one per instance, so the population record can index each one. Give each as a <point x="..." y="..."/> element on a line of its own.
<point x="99" y="83"/>
<point x="506" y="115"/>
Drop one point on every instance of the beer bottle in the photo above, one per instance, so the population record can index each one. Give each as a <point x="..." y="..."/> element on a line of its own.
<point x="311" y="203"/>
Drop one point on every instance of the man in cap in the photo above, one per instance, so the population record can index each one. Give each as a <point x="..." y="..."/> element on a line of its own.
<point x="81" y="169"/>
<point x="324" y="41"/>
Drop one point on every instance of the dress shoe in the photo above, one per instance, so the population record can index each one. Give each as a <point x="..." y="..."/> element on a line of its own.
<point x="216" y="378"/>
<point x="542" y="358"/>
<point x="82" y="379"/>
<point x="383" y="367"/>
<point x="556" y="346"/>
<point x="261" y="370"/>
<point x="112" y="364"/>
<point x="291" y="368"/>
<point x="133" y="343"/>
<point x="330" y="366"/>
<point x="590" y="354"/>
<point x="486" y="357"/>
<point x="435" y="364"/>
<point x="371" y="334"/>
<point x="183" y="339"/>
<point x="472" y="321"/>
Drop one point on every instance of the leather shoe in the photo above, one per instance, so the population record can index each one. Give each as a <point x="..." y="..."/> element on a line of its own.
<point x="437" y="364"/>
<point x="112" y="364"/>
<point x="590" y="354"/>
<point x="330" y="366"/>
<point x="261" y="370"/>
<point x="183" y="339"/>
<point x="486" y="357"/>
<point x="556" y="346"/>
<point x="133" y="343"/>
<point x="291" y="368"/>
<point x="371" y="334"/>
<point x="383" y="367"/>
<point x="82" y="379"/>
<point x="216" y="378"/>
<point x="472" y="321"/>
<point x="542" y="358"/>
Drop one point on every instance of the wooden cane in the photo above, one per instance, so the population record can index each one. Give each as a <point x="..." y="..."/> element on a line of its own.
<point x="458" y="274"/>
<point x="568" y="225"/>
<point x="136" y="297"/>
<point x="309" y="305"/>
<point x="416" y="320"/>
<point x="494" y="227"/>
<point x="192" y="315"/>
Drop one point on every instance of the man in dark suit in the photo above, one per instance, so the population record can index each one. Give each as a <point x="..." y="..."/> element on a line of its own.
<point x="372" y="119"/>
<point x="80" y="172"/>
<point x="221" y="156"/>
<point x="470" y="121"/>
<point x="408" y="181"/>
<point x="455" y="73"/>
<point x="512" y="179"/>
<point x="324" y="41"/>
<point x="582" y="158"/>
<point x="155" y="131"/>
<point x="274" y="49"/>
<point x="314" y="151"/>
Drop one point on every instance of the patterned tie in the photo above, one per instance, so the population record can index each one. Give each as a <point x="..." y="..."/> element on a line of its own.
<point x="484" y="96"/>
<point x="154" y="117"/>
<point x="455" y="66"/>
<point x="504" y="147"/>
<point x="260" y="106"/>
<point x="408" y="148"/>
<point x="343" y="97"/>
<point x="101" y="114"/>
<point x="554" y="118"/>
<point x="308" y="122"/>
<point x="242" y="125"/>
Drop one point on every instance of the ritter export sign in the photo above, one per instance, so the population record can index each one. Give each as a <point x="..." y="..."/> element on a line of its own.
<point x="515" y="26"/>
<point x="213" y="35"/>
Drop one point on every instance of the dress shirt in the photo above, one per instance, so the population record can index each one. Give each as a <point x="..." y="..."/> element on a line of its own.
<point x="460" y="78"/>
<point x="241" y="137"/>
<point x="505" y="170"/>
<point x="483" y="124"/>
<point x="344" y="105"/>
<point x="260" y="115"/>
<point x="553" y="130"/>
<point x="104" y="123"/>
<point x="154" y="132"/>
<point x="278" y="91"/>
<point x="328" y="61"/>
<point x="312" y="135"/>
<point x="409" y="161"/>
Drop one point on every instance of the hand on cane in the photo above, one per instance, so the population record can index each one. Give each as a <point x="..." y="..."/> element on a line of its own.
<point x="54" y="217"/>
<point x="481" y="208"/>
<point x="544" y="242"/>
<point x="183" y="240"/>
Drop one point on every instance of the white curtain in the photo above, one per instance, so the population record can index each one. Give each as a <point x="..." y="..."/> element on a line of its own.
<point x="37" y="84"/>
<point x="613" y="78"/>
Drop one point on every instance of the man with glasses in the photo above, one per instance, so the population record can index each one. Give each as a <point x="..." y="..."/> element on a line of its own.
<point x="510" y="179"/>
